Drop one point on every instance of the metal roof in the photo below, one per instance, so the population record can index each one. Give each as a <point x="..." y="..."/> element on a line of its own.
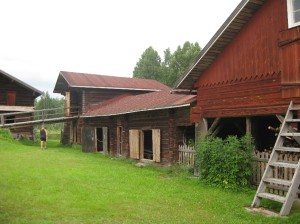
<point x="68" y="80"/>
<point x="232" y="26"/>
<point x="126" y="104"/>
<point x="27" y="86"/>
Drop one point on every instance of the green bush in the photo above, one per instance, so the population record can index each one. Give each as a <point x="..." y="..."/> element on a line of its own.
<point x="5" y="134"/>
<point x="226" y="163"/>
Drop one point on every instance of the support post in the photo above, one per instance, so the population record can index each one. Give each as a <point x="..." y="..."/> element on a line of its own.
<point x="2" y="120"/>
<point x="201" y="129"/>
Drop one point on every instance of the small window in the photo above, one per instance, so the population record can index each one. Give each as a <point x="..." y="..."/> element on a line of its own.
<point x="293" y="7"/>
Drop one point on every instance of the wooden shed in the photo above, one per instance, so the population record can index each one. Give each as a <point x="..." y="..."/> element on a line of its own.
<point x="136" y="118"/>
<point x="249" y="71"/>
<point x="148" y="126"/>
<point x="82" y="90"/>
<point x="17" y="96"/>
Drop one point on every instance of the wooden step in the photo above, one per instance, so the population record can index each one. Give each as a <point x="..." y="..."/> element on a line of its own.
<point x="293" y="134"/>
<point x="295" y="108"/>
<point x="272" y="197"/>
<point x="292" y="120"/>
<point x="282" y="164"/>
<point x="277" y="181"/>
<point x="287" y="149"/>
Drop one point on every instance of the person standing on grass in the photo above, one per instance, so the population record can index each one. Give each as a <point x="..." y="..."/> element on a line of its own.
<point x="43" y="137"/>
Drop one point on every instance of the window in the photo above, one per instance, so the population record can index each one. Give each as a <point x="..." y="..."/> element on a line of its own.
<point x="293" y="7"/>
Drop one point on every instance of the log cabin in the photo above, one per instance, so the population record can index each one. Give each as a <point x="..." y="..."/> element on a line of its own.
<point x="247" y="74"/>
<point x="134" y="118"/>
<point x="17" y="96"/>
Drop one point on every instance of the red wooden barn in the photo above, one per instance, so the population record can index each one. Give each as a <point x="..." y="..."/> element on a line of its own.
<point x="17" y="96"/>
<point x="249" y="71"/>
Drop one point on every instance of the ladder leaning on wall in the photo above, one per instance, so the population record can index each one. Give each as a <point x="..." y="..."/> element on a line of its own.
<point x="286" y="131"/>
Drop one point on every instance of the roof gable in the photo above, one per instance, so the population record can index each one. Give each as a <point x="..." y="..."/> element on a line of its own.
<point x="232" y="26"/>
<point x="68" y="80"/>
<point x="21" y="83"/>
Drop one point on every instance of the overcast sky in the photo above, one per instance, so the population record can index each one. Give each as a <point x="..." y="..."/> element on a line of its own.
<point x="39" y="38"/>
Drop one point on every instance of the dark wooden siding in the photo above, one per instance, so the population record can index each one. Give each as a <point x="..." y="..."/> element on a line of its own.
<point x="24" y="97"/>
<point x="165" y="120"/>
<point x="255" y="72"/>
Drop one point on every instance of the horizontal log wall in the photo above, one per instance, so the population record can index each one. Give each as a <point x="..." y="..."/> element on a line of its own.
<point x="165" y="120"/>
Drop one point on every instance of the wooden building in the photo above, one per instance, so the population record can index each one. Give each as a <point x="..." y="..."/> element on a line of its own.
<point x="148" y="126"/>
<point x="17" y="96"/>
<point x="249" y="71"/>
<point x="136" y="118"/>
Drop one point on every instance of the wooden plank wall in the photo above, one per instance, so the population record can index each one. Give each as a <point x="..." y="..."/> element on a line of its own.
<point x="252" y="71"/>
<point x="164" y="120"/>
<point x="24" y="97"/>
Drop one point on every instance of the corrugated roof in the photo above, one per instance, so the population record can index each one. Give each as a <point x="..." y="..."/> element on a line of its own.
<point x="126" y="103"/>
<point x="232" y="26"/>
<point x="27" y="86"/>
<point x="85" y="80"/>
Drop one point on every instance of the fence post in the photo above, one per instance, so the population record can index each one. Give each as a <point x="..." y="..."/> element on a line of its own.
<point x="2" y="120"/>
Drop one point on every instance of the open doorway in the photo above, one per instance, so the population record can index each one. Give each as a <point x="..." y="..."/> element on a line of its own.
<point x="99" y="140"/>
<point x="148" y="145"/>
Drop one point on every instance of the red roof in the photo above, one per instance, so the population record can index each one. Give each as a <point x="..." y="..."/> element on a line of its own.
<point x="85" y="80"/>
<point x="136" y="103"/>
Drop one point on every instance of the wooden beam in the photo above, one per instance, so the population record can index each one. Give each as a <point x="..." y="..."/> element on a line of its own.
<point x="248" y="126"/>
<point x="217" y="130"/>
<point x="280" y="118"/>
<point x="214" y="125"/>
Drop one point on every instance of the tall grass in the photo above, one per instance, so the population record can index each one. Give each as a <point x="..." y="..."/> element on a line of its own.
<point x="64" y="185"/>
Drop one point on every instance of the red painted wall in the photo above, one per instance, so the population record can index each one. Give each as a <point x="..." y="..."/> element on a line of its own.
<point x="257" y="73"/>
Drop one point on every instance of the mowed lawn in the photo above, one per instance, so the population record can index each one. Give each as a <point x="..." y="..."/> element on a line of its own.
<point x="64" y="185"/>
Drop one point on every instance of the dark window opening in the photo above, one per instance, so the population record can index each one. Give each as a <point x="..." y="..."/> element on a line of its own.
<point x="186" y="135"/>
<point x="148" y="147"/>
<point x="230" y="126"/>
<point x="264" y="131"/>
<point x="99" y="140"/>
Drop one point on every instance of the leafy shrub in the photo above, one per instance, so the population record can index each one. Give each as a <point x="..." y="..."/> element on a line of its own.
<point x="5" y="134"/>
<point x="226" y="163"/>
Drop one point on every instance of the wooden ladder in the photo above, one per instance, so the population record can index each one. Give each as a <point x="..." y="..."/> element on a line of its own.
<point x="286" y="131"/>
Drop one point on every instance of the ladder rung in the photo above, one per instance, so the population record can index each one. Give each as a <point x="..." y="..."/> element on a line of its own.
<point x="282" y="164"/>
<point x="287" y="149"/>
<point x="295" y="108"/>
<point x="292" y="120"/>
<point x="272" y="197"/>
<point x="278" y="181"/>
<point x="294" y="134"/>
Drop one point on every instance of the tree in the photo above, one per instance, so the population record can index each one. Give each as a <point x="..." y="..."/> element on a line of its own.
<point x="171" y="68"/>
<point x="148" y="66"/>
<point x="179" y="61"/>
<point x="47" y="102"/>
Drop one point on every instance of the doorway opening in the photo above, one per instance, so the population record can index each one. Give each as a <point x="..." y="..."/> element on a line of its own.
<point x="119" y="140"/>
<point x="99" y="140"/>
<point x="148" y="144"/>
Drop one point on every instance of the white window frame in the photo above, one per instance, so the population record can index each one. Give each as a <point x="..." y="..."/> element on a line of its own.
<point x="290" y="13"/>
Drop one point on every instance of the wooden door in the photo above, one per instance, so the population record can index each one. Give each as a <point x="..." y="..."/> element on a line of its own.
<point x="134" y="144"/>
<point x="105" y="139"/>
<point x="11" y="98"/>
<point x="156" y="144"/>
<point x="89" y="139"/>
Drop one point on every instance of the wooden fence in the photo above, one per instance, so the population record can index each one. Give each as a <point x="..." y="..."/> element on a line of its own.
<point x="186" y="155"/>
<point x="260" y="160"/>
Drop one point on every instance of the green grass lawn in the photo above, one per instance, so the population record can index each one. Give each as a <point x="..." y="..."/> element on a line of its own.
<point x="64" y="185"/>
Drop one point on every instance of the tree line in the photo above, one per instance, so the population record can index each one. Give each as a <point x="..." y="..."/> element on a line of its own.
<point x="169" y="69"/>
